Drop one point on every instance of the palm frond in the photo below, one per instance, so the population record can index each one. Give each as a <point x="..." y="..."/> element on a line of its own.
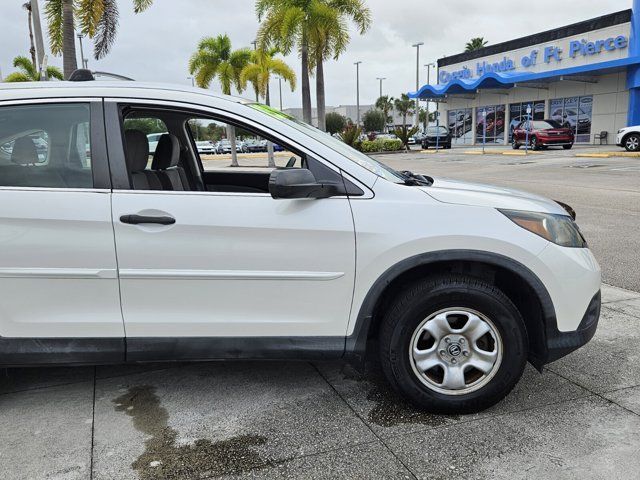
<point x="25" y="65"/>
<point x="55" y="72"/>
<point x="141" y="5"/>
<point x="89" y="14"/>
<point x="204" y="75"/>
<point x="107" y="29"/>
<point x="53" y="12"/>
<point x="226" y="77"/>
<point x="17" y="77"/>
<point x="280" y="67"/>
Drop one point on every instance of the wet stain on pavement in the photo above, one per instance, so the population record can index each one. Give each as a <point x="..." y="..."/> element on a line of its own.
<point x="390" y="408"/>
<point x="165" y="459"/>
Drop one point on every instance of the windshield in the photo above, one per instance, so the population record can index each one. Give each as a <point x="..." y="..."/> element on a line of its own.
<point x="335" y="144"/>
<point x="437" y="130"/>
<point x="545" y="124"/>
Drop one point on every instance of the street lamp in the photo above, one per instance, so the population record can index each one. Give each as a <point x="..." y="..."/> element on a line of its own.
<point x="83" y="61"/>
<point x="417" y="46"/>
<point x="428" y="65"/>
<point x="357" y="64"/>
<point x="380" y="79"/>
<point x="484" y="128"/>
<point x="193" y="82"/>
<point x="280" y="88"/>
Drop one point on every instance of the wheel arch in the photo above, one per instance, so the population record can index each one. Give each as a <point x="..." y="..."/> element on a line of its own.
<point x="518" y="282"/>
<point x="627" y="135"/>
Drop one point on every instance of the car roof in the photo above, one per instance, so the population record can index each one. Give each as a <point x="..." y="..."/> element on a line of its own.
<point x="119" y="89"/>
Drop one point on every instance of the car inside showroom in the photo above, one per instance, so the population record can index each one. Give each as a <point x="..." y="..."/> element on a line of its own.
<point x="584" y="76"/>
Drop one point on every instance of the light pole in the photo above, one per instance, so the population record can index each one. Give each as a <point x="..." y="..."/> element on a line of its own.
<point x="193" y="82"/>
<point x="357" y="64"/>
<point x="417" y="46"/>
<point x="255" y="47"/>
<point x="428" y="65"/>
<point x="280" y="88"/>
<point x="380" y="79"/>
<point x="83" y="61"/>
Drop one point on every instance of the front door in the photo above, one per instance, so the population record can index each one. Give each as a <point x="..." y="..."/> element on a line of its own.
<point x="217" y="256"/>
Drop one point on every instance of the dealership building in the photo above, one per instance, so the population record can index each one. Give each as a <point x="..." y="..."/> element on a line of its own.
<point x="586" y="76"/>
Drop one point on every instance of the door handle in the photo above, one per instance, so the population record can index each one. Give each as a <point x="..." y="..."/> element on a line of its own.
<point x="139" y="219"/>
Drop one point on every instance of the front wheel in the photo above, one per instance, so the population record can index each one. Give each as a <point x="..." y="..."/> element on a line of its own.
<point x="514" y="144"/>
<point x="632" y="143"/>
<point x="567" y="147"/>
<point x="453" y="344"/>
<point x="534" y="143"/>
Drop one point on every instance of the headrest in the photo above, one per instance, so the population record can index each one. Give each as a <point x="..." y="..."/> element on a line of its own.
<point x="137" y="150"/>
<point x="167" y="153"/>
<point x="24" y="151"/>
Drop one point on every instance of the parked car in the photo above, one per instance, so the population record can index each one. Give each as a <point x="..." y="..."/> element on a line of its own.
<point x="206" y="147"/>
<point x="223" y="146"/>
<point x="437" y="136"/>
<point x="542" y="134"/>
<point x="153" y="139"/>
<point x="453" y="286"/>
<point x="629" y="138"/>
<point x="255" y="146"/>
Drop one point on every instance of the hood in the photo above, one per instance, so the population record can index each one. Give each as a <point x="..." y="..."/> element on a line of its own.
<point x="468" y="193"/>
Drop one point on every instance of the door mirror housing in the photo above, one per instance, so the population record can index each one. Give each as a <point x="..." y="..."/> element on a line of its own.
<point x="301" y="183"/>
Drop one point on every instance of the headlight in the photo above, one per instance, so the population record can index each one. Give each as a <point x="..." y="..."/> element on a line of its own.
<point x="559" y="229"/>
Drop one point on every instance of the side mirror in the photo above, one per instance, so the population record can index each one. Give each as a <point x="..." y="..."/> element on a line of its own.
<point x="301" y="183"/>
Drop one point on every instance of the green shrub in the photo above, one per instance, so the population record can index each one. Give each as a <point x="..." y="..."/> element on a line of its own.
<point x="381" y="145"/>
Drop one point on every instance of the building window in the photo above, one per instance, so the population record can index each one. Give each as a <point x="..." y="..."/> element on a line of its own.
<point x="518" y="112"/>
<point x="494" y="132"/>
<point x="574" y="113"/>
<point x="460" y="123"/>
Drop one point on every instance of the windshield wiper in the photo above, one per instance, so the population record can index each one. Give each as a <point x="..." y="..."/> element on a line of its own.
<point x="415" y="179"/>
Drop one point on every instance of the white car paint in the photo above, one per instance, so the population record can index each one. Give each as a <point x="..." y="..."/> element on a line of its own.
<point x="623" y="132"/>
<point x="264" y="267"/>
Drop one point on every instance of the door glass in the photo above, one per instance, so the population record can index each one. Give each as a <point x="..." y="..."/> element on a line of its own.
<point x="45" y="146"/>
<point x="222" y="146"/>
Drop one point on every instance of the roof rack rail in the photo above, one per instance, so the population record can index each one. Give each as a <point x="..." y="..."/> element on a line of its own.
<point x="85" y="75"/>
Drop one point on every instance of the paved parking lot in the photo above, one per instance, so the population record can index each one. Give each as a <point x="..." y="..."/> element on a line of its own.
<point x="580" y="419"/>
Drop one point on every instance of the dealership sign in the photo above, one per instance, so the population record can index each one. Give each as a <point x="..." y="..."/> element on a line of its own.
<point x="552" y="53"/>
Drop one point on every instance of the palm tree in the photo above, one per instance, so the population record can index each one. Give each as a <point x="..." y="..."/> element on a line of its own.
<point x="97" y="19"/>
<point x="259" y="71"/>
<point x="329" y="37"/>
<point x="27" y="71"/>
<point x="385" y="105"/>
<point x="318" y="29"/>
<point x="215" y="58"/>
<point x="405" y="107"/>
<point x="285" y="25"/>
<point x="475" y="43"/>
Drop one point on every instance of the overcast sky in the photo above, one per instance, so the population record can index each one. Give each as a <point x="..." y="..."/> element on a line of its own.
<point x="156" y="45"/>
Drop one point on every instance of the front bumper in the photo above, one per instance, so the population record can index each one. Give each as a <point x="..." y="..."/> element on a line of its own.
<point x="560" y="343"/>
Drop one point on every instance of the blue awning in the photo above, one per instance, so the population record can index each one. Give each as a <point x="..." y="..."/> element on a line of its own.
<point x="510" y="80"/>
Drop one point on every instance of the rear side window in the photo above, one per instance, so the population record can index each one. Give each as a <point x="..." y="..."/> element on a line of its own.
<point x="45" y="146"/>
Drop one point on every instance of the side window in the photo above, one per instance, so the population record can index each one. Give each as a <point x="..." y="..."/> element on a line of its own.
<point x="45" y="146"/>
<point x="152" y="127"/>
<point x="253" y="153"/>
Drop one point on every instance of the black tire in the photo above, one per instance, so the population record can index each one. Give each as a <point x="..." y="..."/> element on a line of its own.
<point x="514" y="144"/>
<point x="533" y="141"/>
<point x="567" y="147"/>
<point x="632" y="142"/>
<point x="425" y="146"/>
<point x="423" y="298"/>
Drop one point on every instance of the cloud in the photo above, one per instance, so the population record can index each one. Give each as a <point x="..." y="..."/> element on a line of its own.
<point x="156" y="45"/>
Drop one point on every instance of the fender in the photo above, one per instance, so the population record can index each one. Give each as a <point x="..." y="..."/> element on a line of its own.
<point x="356" y="343"/>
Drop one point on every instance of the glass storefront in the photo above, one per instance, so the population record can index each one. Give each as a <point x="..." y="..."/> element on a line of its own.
<point x="494" y="124"/>
<point x="574" y="113"/>
<point x="460" y="123"/>
<point x="518" y="112"/>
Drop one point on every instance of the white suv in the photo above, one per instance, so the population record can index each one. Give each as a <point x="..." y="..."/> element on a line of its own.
<point x="109" y="255"/>
<point x="629" y="138"/>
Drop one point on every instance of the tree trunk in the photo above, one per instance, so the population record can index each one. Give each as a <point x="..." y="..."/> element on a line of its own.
<point x="231" y="135"/>
<point x="32" y="50"/>
<point x="320" y="97"/>
<point x="69" y="61"/>
<point x="270" y="156"/>
<point x="306" y="89"/>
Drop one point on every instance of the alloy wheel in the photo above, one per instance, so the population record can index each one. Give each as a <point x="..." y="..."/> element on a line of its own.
<point x="456" y="351"/>
<point x="632" y="143"/>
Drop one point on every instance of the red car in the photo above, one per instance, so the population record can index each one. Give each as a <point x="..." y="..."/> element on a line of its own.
<point x="542" y="134"/>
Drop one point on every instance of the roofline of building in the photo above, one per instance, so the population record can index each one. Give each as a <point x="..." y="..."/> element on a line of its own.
<point x="597" y="23"/>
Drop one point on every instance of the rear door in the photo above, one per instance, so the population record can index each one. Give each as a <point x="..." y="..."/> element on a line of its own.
<point x="236" y="262"/>
<point x="58" y="273"/>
